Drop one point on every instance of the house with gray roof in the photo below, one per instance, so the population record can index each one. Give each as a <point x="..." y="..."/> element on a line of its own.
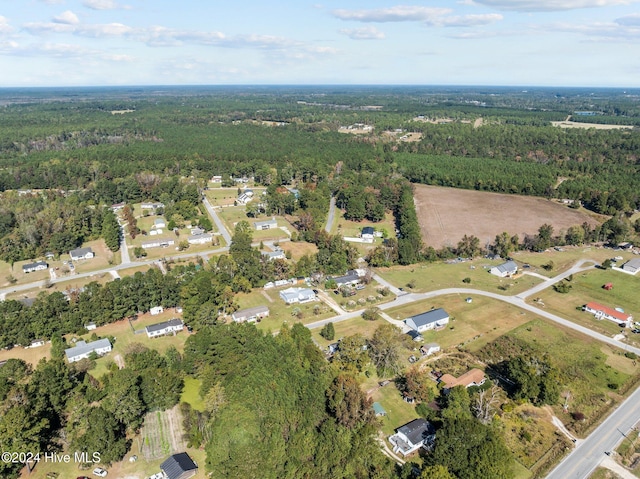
<point x="273" y="255"/>
<point x="436" y="318"/>
<point x="83" y="349"/>
<point x="159" y="243"/>
<point x="265" y="225"/>
<point x="81" y="253"/>
<point x="250" y="315"/>
<point x="179" y="466"/>
<point x="166" y="327"/>
<point x="37" y="266"/>
<point x="350" y="279"/>
<point x="632" y="266"/>
<point x="412" y="436"/>
<point x="505" y="269"/>
<point x="203" y="238"/>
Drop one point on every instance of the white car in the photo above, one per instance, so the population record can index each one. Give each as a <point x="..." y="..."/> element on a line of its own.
<point x="157" y="475"/>
<point x="98" y="471"/>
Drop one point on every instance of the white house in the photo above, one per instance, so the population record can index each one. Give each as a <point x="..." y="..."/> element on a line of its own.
<point x="216" y="179"/>
<point x="367" y="234"/>
<point x="297" y="295"/>
<point x="159" y="223"/>
<point x="412" y="436"/>
<point x="505" y="269"/>
<point x="81" y="253"/>
<point x="90" y="326"/>
<point x="265" y="225"/>
<point x="604" y="312"/>
<point x="352" y="278"/>
<point x="250" y="315"/>
<point x="273" y="255"/>
<point x="429" y="349"/>
<point x="200" y="239"/>
<point x="158" y="243"/>
<point x="151" y="205"/>
<point x="37" y="266"/>
<point x="436" y="318"/>
<point x="245" y="197"/>
<point x="83" y="349"/>
<point x="162" y="329"/>
<point x="156" y="310"/>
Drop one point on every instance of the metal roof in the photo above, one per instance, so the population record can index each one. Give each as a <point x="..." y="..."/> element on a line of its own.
<point x="429" y="317"/>
<point x="166" y="324"/>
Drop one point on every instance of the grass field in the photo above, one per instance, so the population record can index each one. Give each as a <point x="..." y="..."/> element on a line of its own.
<point x="563" y="260"/>
<point x="298" y="248"/>
<point x="235" y="214"/>
<point x="587" y="287"/>
<point x="101" y="278"/>
<point x="447" y="214"/>
<point x="191" y="393"/>
<point x="433" y="276"/>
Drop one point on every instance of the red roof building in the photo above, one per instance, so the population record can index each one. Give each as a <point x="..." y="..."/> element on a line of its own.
<point x="604" y="312"/>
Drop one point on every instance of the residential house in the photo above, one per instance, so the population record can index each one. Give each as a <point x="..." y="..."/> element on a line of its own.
<point x="158" y="243"/>
<point x="197" y="231"/>
<point x="368" y="233"/>
<point x="49" y="255"/>
<point x="250" y="315"/>
<point x="81" y="253"/>
<point x="162" y="329"/>
<point x="200" y="239"/>
<point x="429" y="349"/>
<point x="412" y="436"/>
<point x="273" y="255"/>
<point x="436" y="318"/>
<point x="265" y="225"/>
<point x="415" y="335"/>
<point x="297" y="295"/>
<point x="604" y="312"/>
<point x="473" y="377"/>
<point x="245" y="197"/>
<point x="378" y="409"/>
<point x="632" y="266"/>
<point x="83" y="349"/>
<point x="90" y="326"/>
<point x="216" y="179"/>
<point x="27" y="302"/>
<point x="179" y="466"/>
<point x="505" y="270"/>
<point x="159" y="223"/>
<point x="151" y="205"/>
<point x="37" y="266"/>
<point x="117" y="206"/>
<point x="352" y="278"/>
<point x="156" y="310"/>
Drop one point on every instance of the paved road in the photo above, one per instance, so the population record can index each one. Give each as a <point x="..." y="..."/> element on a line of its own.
<point x="216" y="219"/>
<point x="330" y="216"/>
<point x="386" y="283"/>
<point x="124" y="250"/>
<point x="591" y="451"/>
<point x="577" y="268"/>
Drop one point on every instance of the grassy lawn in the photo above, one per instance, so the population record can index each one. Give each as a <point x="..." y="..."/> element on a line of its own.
<point x="279" y="312"/>
<point x="101" y="278"/>
<point x="347" y="328"/>
<point x="587" y="287"/>
<point x="563" y="260"/>
<point x="429" y="277"/>
<point x="299" y="248"/>
<point x="134" y="270"/>
<point x="353" y="228"/>
<point x="363" y="298"/>
<point x="471" y="324"/>
<point x="28" y="355"/>
<point x="235" y="214"/>
<point x="227" y="196"/>
<point x="398" y="411"/>
<point x="191" y="393"/>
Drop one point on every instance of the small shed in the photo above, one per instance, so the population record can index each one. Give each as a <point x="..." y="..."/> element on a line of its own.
<point x="378" y="409"/>
<point x="608" y="286"/>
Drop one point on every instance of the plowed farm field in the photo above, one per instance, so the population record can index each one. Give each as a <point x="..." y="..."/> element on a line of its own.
<point x="447" y="214"/>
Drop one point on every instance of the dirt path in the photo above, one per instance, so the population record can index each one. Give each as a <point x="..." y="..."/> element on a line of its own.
<point x="617" y="468"/>
<point x="174" y="418"/>
<point x="264" y="293"/>
<point x="119" y="361"/>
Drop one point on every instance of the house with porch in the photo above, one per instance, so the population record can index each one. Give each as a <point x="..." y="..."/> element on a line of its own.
<point x="166" y="327"/>
<point x="604" y="312"/>
<point x="83" y="349"/>
<point x="436" y="318"/>
<point x="250" y="315"/>
<point x="412" y="436"/>
<point x="505" y="270"/>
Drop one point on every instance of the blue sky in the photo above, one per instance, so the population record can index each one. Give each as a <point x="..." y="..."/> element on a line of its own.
<point x="466" y="42"/>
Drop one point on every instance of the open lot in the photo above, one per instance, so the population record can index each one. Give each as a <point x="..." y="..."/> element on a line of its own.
<point x="596" y="126"/>
<point x="568" y="257"/>
<point x="472" y="324"/>
<point x="420" y="278"/>
<point x="70" y="284"/>
<point x="447" y="214"/>
<point x="234" y="214"/>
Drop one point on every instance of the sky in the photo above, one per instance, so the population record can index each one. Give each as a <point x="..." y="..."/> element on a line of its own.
<point x="594" y="43"/>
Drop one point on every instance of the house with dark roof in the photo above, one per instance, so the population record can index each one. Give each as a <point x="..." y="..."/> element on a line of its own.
<point x="166" y="327"/>
<point x="83" y="349"/>
<point x="367" y="233"/>
<point x="352" y="278"/>
<point x="81" y="253"/>
<point x="505" y="270"/>
<point x="436" y="318"/>
<point x="632" y="266"/>
<point x="250" y="315"/>
<point x="179" y="466"/>
<point x="37" y="266"/>
<point x="412" y="436"/>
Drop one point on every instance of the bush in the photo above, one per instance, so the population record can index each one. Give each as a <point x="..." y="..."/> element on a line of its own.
<point x="370" y="314"/>
<point x="577" y="416"/>
<point x="631" y="355"/>
<point x="466" y="280"/>
<point x="328" y="332"/>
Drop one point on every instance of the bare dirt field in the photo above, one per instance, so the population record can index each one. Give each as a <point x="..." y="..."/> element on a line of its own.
<point x="597" y="126"/>
<point x="447" y="214"/>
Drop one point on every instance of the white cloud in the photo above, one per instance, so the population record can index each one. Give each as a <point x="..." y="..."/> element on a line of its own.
<point x="89" y="30"/>
<point x="53" y="2"/>
<point x="104" y="5"/>
<point x="400" y="13"/>
<point x="61" y="50"/>
<point x="632" y="20"/>
<point x="67" y="18"/>
<point x="601" y="31"/>
<point x="4" y="26"/>
<point x="366" y="33"/>
<point x="437" y="17"/>
<point x="551" y="5"/>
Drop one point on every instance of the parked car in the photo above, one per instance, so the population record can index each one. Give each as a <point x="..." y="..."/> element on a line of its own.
<point x="98" y="471"/>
